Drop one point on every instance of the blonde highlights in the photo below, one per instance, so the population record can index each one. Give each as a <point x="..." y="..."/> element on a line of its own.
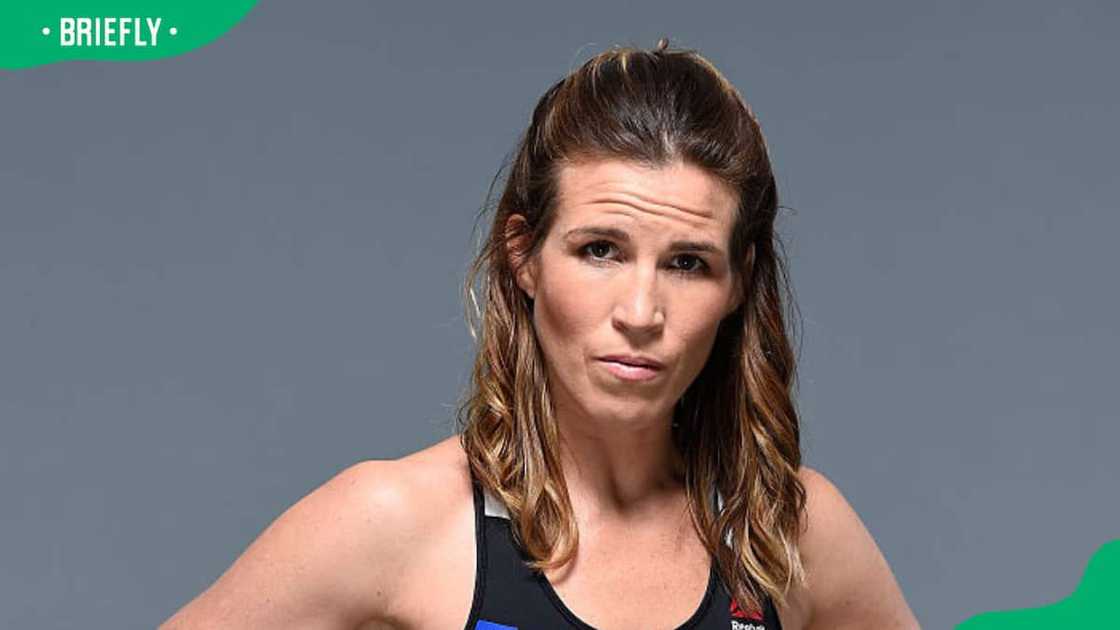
<point x="736" y="426"/>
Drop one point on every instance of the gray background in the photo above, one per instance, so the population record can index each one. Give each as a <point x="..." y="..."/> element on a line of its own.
<point x="230" y="274"/>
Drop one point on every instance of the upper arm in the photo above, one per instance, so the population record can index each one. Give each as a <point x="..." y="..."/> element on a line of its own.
<point x="849" y="583"/>
<point x="326" y="562"/>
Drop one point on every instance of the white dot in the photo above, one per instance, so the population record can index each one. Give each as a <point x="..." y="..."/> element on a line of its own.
<point x="173" y="31"/>
<point x="46" y="30"/>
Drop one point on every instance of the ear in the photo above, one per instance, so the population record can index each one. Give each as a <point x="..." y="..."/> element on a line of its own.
<point x="736" y="295"/>
<point x="517" y="246"/>
<point x="738" y="290"/>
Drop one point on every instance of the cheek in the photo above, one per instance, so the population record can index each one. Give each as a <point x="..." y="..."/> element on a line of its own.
<point x="565" y="311"/>
<point x="697" y="331"/>
<point x="698" y="343"/>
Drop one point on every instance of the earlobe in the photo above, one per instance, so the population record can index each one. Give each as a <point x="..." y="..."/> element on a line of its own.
<point x="735" y="305"/>
<point x="527" y="280"/>
<point x="736" y="297"/>
<point x="517" y="244"/>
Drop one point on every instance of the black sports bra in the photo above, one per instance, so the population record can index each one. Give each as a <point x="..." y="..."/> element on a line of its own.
<point x="508" y="595"/>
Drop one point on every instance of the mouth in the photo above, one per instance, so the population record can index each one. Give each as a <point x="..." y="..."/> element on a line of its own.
<point x="634" y="361"/>
<point x="632" y="368"/>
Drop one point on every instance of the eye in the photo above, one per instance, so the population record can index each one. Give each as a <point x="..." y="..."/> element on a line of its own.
<point x="598" y="249"/>
<point x="694" y="264"/>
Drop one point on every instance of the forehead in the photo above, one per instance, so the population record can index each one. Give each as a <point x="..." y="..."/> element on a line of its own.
<point x="680" y="196"/>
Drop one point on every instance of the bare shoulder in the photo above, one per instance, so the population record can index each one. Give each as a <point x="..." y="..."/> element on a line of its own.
<point x="848" y="581"/>
<point x="339" y="557"/>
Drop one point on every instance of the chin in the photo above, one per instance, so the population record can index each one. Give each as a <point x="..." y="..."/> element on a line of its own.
<point x="629" y="412"/>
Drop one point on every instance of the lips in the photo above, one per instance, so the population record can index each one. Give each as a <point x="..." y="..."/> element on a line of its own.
<point x="634" y="361"/>
<point x="632" y="368"/>
<point x="631" y="373"/>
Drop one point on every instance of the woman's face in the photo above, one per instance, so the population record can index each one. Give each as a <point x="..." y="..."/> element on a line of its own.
<point x="636" y="266"/>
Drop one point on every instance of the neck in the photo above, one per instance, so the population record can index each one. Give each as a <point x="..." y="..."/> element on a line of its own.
<point x="619" y="470"/>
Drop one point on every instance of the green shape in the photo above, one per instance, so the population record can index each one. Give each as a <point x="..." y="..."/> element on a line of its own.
<point x="1095" y="603"/>
<point x="24" y="43"/>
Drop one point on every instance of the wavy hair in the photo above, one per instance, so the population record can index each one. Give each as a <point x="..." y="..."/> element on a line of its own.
<point x="736" y="426"/>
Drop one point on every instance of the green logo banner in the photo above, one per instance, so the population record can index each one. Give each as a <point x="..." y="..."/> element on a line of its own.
<point x="1094" y="604"/>
<point x="38" y="32"/>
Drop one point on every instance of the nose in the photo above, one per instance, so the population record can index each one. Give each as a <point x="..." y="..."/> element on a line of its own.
<point x="638" y="309"/>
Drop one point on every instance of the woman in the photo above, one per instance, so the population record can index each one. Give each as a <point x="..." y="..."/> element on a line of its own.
<point x="629" y="451"/>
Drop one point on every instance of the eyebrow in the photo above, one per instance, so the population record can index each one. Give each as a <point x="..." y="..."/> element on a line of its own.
<point x="621" y="235"/>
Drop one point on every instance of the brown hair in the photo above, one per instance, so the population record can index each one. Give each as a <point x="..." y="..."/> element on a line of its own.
<point x="736" y="425"/>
